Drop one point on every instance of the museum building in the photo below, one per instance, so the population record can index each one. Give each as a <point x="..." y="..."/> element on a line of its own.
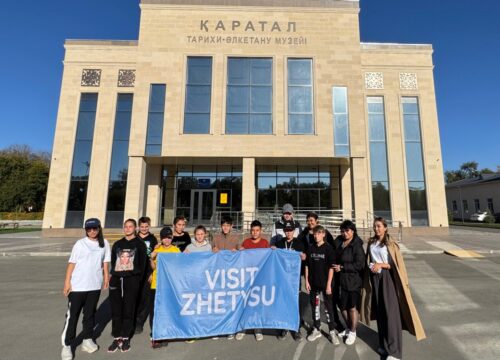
<point x="241" y="106"/>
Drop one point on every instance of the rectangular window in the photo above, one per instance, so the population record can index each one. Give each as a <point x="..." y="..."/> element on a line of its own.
<point x="378" y="157"/>
<point x="454" y="204"/>
<point x="249" y="99"/>
<point x="300" y="96"/>
<point x="477" y="206"/>
<point x="81" y="161"/>
<point x="155" y="119"/>
<point x="414" y="162"/>
<point x="465" y="205"/>
<point x="198" y="95"/>
<point x="119" y="162"/>
<point x="490" y="206"/>
<point x="341" y="122"/>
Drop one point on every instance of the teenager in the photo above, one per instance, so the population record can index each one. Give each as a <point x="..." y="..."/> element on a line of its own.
<point x="307" y="235"/>
<point x="200" y="243"/>
<point x="128" y="264"/>
<point x="389" y="299"/>
<point x="165" y="246"/>
<point x="350" y="263"/>
<point x="292" y="244"/>
<point x="319" y="277"/>
<point x="278" y="228"/>
<point x="143" y="301"/>
<point x="225" y="240"/>
<point x="254" y="242"/>
<point x="86" y="274"/>
<point x="181" y="238"/>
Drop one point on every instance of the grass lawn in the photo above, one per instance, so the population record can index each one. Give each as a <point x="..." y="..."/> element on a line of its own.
<point x="476" y="224"/>
<point x="19" y="230"/>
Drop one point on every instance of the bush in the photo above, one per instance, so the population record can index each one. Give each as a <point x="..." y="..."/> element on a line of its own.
<point x="489" y="219"/>
<point x="21" y="215"/>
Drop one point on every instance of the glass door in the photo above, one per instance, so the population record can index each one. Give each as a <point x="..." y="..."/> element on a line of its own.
<point x="203" y="204"/>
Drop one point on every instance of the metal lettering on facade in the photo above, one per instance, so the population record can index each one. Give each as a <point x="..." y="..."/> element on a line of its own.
<point x="272" y="27"/>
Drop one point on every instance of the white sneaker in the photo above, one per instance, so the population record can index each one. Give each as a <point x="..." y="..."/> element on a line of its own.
<point x="390" y="357"/>
<point x="230" y="337"/>
<point x="66" y="353"/>
<point x="259" y="336"/>
<point x="315" y="334"/>
<point x="239" y="336"/>
<point x="344" y="333"/>
<point x="88" y="345"/>
<point x="351" y="338"/>
<point x="334" y="337"/>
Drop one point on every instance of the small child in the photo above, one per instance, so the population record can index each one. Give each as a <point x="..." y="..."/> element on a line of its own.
<point x="320" y="259"/>
<point x="200" y="244"/>
<point x="165" y="246"/>
<point x="87" y="272"/>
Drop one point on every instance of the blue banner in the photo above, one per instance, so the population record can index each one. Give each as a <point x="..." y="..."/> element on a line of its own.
<point x="207" y="294"/>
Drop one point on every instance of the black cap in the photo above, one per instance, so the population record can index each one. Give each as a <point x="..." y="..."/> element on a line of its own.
<point x="166" y="232"/>
<point x="92" y="223"/>
<point x="289" y="226"/>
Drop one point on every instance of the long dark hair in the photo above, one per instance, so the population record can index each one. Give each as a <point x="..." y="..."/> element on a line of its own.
<point x="386" y="238"/>
<point x="100" y="237"/>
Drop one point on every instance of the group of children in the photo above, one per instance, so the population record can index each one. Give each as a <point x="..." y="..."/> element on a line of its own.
<point x="129" y="270"/>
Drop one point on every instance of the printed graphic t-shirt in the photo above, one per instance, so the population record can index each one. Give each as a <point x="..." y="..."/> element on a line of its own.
<point x="88" y="258"/>
<point x="319" y="261"/>
<point x="162" y="249"/>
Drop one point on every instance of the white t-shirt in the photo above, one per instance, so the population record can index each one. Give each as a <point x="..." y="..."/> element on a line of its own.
<point x="88" y="258"/>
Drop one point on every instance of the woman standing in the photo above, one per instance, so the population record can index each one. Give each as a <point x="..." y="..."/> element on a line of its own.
<point x="386" y="295"/>
<point x="87" y="272"/>
<point x="350" y="262"/>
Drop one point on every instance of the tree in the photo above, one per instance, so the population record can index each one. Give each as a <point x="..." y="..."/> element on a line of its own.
<point x="468" y="170"/>
<point x="23" y="179"/>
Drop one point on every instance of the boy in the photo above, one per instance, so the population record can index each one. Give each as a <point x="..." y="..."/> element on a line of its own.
<point x="254" y="242"/>
<point x="293" y="244"/>
<point x="225" y="240"/>
<point x="128" y="263"/>
<point x="200" y="244"/>
<point x="164" y="247"/>
<point x="143" y="302"/>
<point x="181" y="238"/>
<point x="278" y="233"/>
<point x="307" y="235"/>
<point x="319" y="275"/>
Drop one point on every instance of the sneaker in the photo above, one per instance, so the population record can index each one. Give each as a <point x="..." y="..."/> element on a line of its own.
<point x="66" y="353"/>
<point x="239" y="336"/>
<point x="125" y="345"/>
<point x="334" y="337"/>
<point x="315" y="334"/>
<point x="351" y="338"/>
<point x="258" y="335"/>
<point x="390" y="357"/>
<point x="282" y="335"/>
<point x="343" y="333"/>
<point x="88" y="345"/>
<point x="138" y="330"/>
<point x="190" y="341"/>
<point x="297" y="336"/>
<point x="156" y="344"/>
<point x="115" y="345"/>
<point x="230" y="337"/>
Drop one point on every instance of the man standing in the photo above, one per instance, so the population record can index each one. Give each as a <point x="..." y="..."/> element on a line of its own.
<point x="278" y="232"/>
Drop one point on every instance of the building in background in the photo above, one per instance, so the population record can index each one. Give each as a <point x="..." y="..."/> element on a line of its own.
<point x="241" y="106"/>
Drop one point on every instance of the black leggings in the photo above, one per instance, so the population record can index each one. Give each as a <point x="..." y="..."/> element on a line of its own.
<point x="123" y="293"/>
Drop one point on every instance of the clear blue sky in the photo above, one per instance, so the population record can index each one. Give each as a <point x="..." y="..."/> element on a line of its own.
<point x="465" y="35"/>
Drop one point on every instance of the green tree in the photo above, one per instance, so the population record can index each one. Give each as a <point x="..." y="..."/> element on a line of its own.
<point x="468" y="170"/>
<point x="23" y="179"/>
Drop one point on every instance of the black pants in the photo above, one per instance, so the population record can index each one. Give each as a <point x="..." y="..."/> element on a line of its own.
<point x="152" y="295"/>
<point x="335" y="304"/>
<point x="386" y="305"/>
<point x="315" y="296"/>
<point x="123" y="293"/>
<point x="143" y="303"/>
<point x="78" y="300"/>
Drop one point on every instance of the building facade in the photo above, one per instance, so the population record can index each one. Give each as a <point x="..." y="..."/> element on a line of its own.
<point x="242" y="106"/>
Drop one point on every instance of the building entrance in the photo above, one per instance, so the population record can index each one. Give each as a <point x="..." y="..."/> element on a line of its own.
<point x="203" y="203"/>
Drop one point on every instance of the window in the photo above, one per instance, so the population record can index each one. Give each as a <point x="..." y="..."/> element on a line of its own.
<point x="198" y="95"/>
<point x="465" y="205"/>
<point x="476" y="205"/>
<point x="340" y="121"/>
<point x="300" y="97"/>
<point x="155" y="119"/>
<point x="249" y="99"/>
<point x="378" y="157"/>
<point x="414" y="162"/>
<point x="81" y="160"/>
<point x="490" y="206"/>
<point x="454" y="205"/>
<point x="119" y="162"/>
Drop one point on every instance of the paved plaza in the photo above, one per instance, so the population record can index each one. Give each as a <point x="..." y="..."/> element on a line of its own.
<point x="458" y="300"/>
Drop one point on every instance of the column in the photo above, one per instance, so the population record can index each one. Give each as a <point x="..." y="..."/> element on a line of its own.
<point x="248" y="190"/>
<point x="134" y="200"/>
<point x="346" y="190"/>
<point x="153" y="197"/>
<point x="360" y="185"/>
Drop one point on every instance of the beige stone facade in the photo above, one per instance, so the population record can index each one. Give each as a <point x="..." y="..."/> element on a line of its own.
<point x="326" y="31"/>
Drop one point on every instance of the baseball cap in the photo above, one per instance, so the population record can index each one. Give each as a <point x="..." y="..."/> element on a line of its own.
<point x="166" y="232"/>
<point x="92" y="223"/>
<point x="289" y="226"/>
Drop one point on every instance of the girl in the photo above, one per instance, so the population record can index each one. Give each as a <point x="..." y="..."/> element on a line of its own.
<point x="86" y="274"/>
<point x="200" y="244"/>
<point x="350" y="262"/>
<point x="386" y="295"/>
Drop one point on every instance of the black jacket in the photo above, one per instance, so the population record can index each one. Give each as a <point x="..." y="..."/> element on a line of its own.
<point x="352" y="260"/>
<point x="308" y="239"/>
